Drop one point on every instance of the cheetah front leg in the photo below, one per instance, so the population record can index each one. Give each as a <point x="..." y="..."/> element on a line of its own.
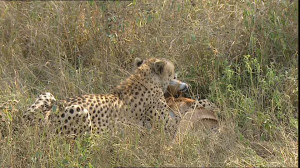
<point x="165" y="115"/>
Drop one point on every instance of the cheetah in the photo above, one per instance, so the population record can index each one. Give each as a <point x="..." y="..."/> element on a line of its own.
<point x="192" y="113"/>
<point x="138" y="100"/>
<point x="179" y="104"/>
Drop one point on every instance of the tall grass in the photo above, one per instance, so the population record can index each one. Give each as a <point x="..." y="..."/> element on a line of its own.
<point x="242" y="55"/>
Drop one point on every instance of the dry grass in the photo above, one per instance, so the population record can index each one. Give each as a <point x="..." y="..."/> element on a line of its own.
<point x="242" y="55"/>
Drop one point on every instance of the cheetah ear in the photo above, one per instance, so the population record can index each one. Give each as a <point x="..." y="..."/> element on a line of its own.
<point x="138" y="62"/>
<point x="159" y="67"/>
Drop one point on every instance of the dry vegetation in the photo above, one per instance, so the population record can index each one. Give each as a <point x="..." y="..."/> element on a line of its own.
<point x="241" y="54"/>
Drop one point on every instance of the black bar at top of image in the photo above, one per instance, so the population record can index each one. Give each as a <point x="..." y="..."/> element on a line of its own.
<point x="71" y="0"/>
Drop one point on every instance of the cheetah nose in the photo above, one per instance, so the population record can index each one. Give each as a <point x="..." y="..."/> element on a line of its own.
<point x="183" y="87"/>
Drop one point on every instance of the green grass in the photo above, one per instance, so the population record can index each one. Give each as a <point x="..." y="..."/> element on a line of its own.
<point x="242" y="55"/>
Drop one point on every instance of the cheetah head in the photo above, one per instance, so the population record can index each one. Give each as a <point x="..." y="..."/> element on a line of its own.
<point x="164" y="70"/>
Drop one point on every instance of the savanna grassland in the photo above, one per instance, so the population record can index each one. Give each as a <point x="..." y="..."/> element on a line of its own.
<point x="240" y="54"/>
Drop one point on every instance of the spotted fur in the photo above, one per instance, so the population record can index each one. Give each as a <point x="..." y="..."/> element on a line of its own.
<point x="139" y="100"/>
